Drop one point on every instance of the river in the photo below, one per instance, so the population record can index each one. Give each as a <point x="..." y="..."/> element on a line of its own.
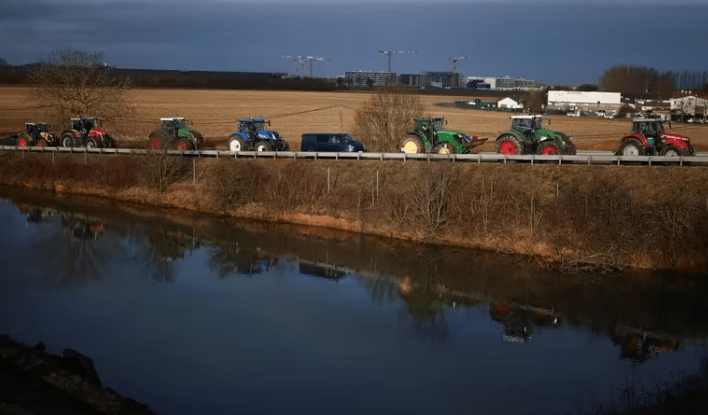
<point x="191" y="314"/>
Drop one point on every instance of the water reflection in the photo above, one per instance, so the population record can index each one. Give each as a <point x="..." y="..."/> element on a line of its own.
<point x="448" y="299"/>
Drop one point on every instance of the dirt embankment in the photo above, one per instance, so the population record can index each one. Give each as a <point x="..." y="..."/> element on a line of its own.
<point x="35" y="382"/>
<point x="573" y="216"/>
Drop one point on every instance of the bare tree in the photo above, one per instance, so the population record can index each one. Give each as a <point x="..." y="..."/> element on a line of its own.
<point x="385" y="119"/>
<point x="73" y="83"/>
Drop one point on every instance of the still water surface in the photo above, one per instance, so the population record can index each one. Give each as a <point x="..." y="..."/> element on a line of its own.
<point x="197" y="315"/>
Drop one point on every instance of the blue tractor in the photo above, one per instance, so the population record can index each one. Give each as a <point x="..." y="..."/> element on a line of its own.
<point x="252" y="136"/>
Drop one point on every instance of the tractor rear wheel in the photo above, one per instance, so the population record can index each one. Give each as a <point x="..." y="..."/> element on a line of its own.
<point x="184" y="144"/>
<point x="548" y="148"/>
<point x="67" y="140"/>
<point x="509" y="145"/>
<point x="42" y="143"/>
<point x="444" y="148"/>
<point x="412" y="144"/>
<point x="264" y="146"/>
<point x="631" y="147"/>
<point x="91" y="143"/>
<point x="155" y="142"/>
<point x="236" y="143"/>
<point x="24" y="140"/>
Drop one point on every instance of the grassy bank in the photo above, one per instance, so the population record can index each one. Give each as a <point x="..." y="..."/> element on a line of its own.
<point x="573" y="216"/>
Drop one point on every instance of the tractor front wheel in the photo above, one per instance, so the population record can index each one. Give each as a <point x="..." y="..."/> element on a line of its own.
<point x="184" y="144"/>
<point x="42" y="143"/>
<point x="284" y="146"/>
<point x="631" y="147"/>
<point x="548" y="148"/>
<point x="264" y="146"/>
<point x="444" y="148"/>
<point x="412" y="145"/>
<point x="24" y="140"/>
<point x="509" y="145"/>
<point x="91" y="143"/>
<point x="236" y="143"/>
<point x="67" y="140"/>
<point x="569" y="147"/>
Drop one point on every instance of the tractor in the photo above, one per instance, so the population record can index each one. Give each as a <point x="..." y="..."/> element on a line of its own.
<point x="173" y="133"/>
<point x="252" y="135"/>
<point x="84" y="132"/>
<point x="429" y="135"/>
<point x="37" y="134"/>
<point x="527" y="136"/>
<point x="648" y="138"/>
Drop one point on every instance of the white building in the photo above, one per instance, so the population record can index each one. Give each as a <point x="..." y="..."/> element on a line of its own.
<point x="509" y="103"/>
<point x="690" y="105"/>
<point x="584" y="100"/>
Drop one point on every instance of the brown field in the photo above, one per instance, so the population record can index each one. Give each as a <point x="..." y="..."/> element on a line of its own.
<point x="292" y="113"/>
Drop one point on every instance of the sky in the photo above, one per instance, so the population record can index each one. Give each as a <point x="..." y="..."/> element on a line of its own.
<point x="552" y="41"/>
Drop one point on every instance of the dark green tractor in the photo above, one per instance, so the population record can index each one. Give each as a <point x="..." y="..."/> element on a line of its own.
<point x="175" y="133"/>
<point x="527" y="136"/>
<point x="429" y="135"/>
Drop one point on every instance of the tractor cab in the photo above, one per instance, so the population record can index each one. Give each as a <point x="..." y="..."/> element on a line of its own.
<point x="83" y="125"/>
<point x="36" y="128"/>
<point x="527" y="124"/>
<point x="252" y="126"/>
<point x="650" y="128"/>
<point x="173" y="124"/>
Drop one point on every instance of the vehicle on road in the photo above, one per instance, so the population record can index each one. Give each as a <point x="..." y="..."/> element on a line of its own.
<point x="36" y="134"/>
<point x="85" y="132"/>
<point x="253" y="136"/>
<point x="174" y="133"/>
<point x="527" y="136"/>
<point x="334" y="142"/>
<point x="648" y="138"/>
<point x="429" y="135"/>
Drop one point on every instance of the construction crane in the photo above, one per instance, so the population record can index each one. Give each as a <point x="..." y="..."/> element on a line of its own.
<point x="299" y="63"/>
<point x="454" y="61"/>
<point x="311" y="59"/>
<point x="391" y="52"/>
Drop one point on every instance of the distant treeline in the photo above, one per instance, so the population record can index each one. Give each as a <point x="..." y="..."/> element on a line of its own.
<point x="645" y="81"/>
<point x="150" y="78"/>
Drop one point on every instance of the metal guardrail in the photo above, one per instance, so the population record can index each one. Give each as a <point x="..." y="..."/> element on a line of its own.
<point x="588" y="158"/>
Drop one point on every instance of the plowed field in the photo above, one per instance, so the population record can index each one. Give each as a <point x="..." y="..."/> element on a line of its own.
<point x="292" y="113"/>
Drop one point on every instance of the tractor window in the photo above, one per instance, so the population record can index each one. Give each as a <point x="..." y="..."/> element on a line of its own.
<point x="438" y="125"/>
<point x="258" y="126"/>
<point x="180" y="123"/>
<point x="538" y="123"/>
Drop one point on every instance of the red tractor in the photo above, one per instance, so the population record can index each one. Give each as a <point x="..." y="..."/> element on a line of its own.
<point x="84" y="132"/>
<point x="648" y="138"/>
<point x="37" y="134"/>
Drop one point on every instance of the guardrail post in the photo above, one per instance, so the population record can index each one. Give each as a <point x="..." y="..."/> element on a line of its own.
<point x="194" y="170"/>
<point x="327" y="179"/>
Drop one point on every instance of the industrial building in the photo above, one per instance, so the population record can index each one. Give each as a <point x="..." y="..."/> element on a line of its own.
<point x="369" y="78"/>
<point x="449" y="80"/>
<point x="503" y="84"/>
<point x="583" y="100"/>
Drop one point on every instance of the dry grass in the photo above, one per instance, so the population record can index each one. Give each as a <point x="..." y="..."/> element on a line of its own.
<point x="214" y="113"/>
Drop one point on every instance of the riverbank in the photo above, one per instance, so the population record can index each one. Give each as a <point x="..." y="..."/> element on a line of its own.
<point x="573" y="217"/>
<point x="35" y="382"/>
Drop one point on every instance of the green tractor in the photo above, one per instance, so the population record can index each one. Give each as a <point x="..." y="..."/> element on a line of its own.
<point x="429" y="135"/>
<point x="527" y="136"/>
<point x="175" y="133"/>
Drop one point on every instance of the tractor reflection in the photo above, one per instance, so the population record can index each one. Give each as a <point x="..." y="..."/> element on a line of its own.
<point x="37" y="214"/>
<point x="83" y="227"/>
<point x="638" y="346"/>
<point x="521" y="321"/>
